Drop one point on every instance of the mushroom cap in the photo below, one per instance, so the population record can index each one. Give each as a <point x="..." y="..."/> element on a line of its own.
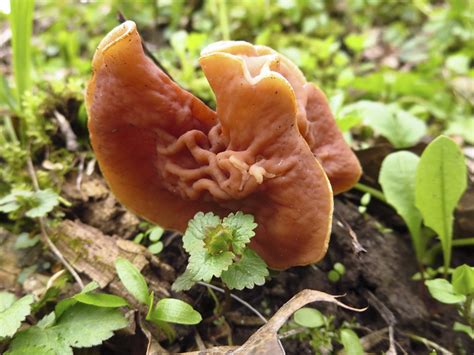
<point x="315" y="120"/>
<point x="166" y="155"/>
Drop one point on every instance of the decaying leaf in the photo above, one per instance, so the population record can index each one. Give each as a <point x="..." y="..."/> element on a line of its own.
<point x="265" y="340"/>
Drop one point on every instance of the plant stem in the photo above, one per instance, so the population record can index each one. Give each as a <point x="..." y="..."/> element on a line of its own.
<point x="467" y="310"/>
<point x="10" y="129"/>
<point x="455" y="243"/>
<point x="428" y="343"/>
<point x="374" y="192"/>
<point x="237" y="298"/>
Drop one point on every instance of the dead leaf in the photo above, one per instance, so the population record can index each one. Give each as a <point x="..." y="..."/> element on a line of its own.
<point x="265" y="340"/>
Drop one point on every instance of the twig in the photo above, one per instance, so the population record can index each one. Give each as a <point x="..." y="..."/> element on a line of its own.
<point x="238" y="299"/>
<point x="428" y="343"/>
<point x="387" y="315"/>
<point x="358" y="248"/>
<point x="66" y="130"/>
<point x="80" y="171"/>
<point x="42" y="224"/>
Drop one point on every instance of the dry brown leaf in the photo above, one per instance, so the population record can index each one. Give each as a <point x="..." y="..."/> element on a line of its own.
<point x="265" y="340"/>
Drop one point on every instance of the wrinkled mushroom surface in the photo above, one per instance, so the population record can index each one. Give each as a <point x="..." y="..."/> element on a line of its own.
<point x="166" y="155"/>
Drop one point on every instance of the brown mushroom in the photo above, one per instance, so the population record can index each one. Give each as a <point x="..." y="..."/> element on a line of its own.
<point x="315" y="120"/>
<point x="167" y="156"/>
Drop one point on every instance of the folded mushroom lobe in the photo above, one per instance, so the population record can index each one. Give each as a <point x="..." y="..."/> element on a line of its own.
<point x="315" y="120"/>
<point x="131" y="105"/>
<point x="328" y="144"/>
<point x="292" y="202"/>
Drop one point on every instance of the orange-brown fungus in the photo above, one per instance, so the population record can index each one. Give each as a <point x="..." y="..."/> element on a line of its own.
<point x="268" y="150"/>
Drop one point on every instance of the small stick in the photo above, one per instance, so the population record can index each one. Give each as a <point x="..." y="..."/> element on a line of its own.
<point x="42" y="223"/>
<point x="358" y="248"/>
<point x="238" y="299"/>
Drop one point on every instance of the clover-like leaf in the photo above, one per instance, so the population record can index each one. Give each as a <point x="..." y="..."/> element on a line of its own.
<point x="205" y="266"/>
<point x="242" y="226"/>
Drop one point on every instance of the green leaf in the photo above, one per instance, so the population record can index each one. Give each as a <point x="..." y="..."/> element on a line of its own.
<point x="21" y="21"/>
<point x="156" y="248"/>
<point x="38" y="341"/>
<point x="47" y="321"/>
<point x="249" y="271"/>
<point x="205" y="266"/>
<point x="242" y="226"/>
<point x="23" y="241"/>
<point x="45" y="201"/>
<point x="334" y="276"/>
<point x="172" y="310"/>
<point x="6" y="300"/>
<point x="11" y="317"/>
<point x="351" y="343"/>
<point x="84" y="325"/>
<point x="63" y="305"/>
<point x="184" y="282"/>
<point x="441" y="179"/>
<point x="340" y="268"/>
<point x="400" y="127"/>
<point x="79" y="326"/>
<point x="91" y="286"/>
<point x="155" y="233"/>
<point x="132" y="279"/>
<point x="443" y="291"/>
<point x="397" y="178"/>
<point x="463" y="280"/>
<point x="101" y="300"/>
<point x="459" y="327"/>
<point x="193" y="238"/>
<point x="309" y="317"/>
<point x="9" y="203"/>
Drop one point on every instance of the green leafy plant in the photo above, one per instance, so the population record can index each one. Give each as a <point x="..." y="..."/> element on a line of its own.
<point x="33" y="204"/>
<point x="426" y="189"/>
<point x="154" y="235"/>
<point x="459" y="292"/>
<point x="166" y="310"/>
<point x="218" y="248"/>
<point x="322" y="332"/>
<point x="441" y="179"/>
<point x="397" y="178"/>
<point x="338" y="270"/>
<point x="84" y="320"/>
<point x="400" y="127"/>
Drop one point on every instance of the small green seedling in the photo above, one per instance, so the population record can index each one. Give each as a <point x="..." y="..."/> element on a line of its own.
<point x="166" y="310"/>
<point x="154" y="235"/>
<point x="426" y="189"/>
<point x="218" y="248"/>
<point x="338" y="270"/>
<point x="460" y="292"/>
<point x="322" y="333"/>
